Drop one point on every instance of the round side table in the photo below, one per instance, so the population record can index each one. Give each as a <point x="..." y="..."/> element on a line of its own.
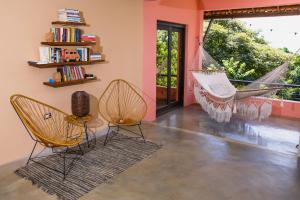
<point x="81" y="121"/>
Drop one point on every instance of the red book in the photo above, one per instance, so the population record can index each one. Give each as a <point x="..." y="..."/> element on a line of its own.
<point x="72" y="73"/>
<point x="80" y="73"/>
<point x="76" y="72"/>
<point x="63" y="55"/>
<point x="58" y="34"/>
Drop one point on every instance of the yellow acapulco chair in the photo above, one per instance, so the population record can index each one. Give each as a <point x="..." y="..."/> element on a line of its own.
<point x="47" y="126"/>
<point x="122" y="106"/>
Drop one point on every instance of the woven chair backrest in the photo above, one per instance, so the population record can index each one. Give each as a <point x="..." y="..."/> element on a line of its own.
<point x="122" y="104"/>
<point x="46" y="123"/>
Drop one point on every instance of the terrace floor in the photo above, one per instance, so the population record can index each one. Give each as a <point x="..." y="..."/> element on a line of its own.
<point x="275" y="133"/>
<point x="190" y="166"/>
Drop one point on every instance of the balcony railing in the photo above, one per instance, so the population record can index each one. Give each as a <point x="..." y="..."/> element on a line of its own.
<point x="295" y="96"/>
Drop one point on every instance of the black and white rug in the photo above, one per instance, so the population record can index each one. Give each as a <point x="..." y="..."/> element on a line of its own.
<point x="90" y="170"/>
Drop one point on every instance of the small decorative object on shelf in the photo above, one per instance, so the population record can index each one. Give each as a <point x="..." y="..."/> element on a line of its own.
<point x="80" y="103"/>
<point x="49" y="37"/>
<point x="67" y="48"/>
<point x="51" y="81"/>
<point x="89" y="76"/>
<point x="71" y="55"/>
<point x="57" y="77"/>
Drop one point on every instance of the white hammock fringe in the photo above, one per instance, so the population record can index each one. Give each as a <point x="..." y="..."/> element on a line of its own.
<point x="222" y="112"/>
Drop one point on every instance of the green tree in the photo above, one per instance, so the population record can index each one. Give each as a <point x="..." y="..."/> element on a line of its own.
<point x="162" y="57"/>
<point x="230" y="41"/>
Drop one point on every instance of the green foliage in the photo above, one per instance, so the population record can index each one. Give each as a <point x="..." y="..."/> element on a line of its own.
<point x="236" y="70"/>
<point x="246" y="55"/>
<point x="230" y="42"/>
<point x="292" y="77"/>
<point x="162" y="58"/>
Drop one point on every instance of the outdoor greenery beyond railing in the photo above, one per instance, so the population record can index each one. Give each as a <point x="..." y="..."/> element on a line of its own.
<point x="246" y="55"/>
<point x="290" y="91"/>
<point x="162" y="80"/>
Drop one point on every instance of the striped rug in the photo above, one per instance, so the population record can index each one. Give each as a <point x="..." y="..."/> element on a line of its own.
<point x="92" y="169"/>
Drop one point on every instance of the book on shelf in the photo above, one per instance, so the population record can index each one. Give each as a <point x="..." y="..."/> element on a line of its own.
<point x="96" y="56"/>
<point x="69" y="15"/>
<point x="44" y="55"/>
<point x="63" y="34"/>
<point x="57" y="55"/>
<point x="88" y="37"/>
<point x="70" y="73"/>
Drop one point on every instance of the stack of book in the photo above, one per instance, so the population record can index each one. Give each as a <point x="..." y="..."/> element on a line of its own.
<point x="69" y="15"/>
<point x="83" y="53"/>
<point x="69" y="73"/>
<point x="66" y="34"/>
<point x="88" y="37"/>
<point x="95" y="56"/>
<point x="57" y="55"/>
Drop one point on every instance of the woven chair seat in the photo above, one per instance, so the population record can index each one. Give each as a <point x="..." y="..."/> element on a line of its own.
<point x="126" y="121"/>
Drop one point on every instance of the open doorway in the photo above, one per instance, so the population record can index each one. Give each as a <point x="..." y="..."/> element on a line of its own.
<point x="169" y="66"/>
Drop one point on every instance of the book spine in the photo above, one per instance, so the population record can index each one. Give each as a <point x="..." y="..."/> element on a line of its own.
<point x="71" y="73"/>
<point x="83" y="72"/>
<point x="74" y="73"/>
<point x="64" y="74"/>
<point x="77" y="73"/>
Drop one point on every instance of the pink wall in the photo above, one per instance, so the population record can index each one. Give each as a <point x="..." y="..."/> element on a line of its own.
<point x="290" y="109"/>
<point x="232" y="4"/>
<point x="177" y="11"/>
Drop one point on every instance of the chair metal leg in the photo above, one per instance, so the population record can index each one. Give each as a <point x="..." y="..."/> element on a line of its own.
<point x="106" y="138"/>
<point x="139" y="125"/>
<point x="86" y="134"/>
<point x="31" y="153"/>
<point x="80" y="149"/>
<point x="64" y="172"/>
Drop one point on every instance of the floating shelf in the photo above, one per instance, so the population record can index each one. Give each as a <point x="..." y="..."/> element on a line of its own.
<point x="68" y="43"/>
<point x="69" y="83"/>
<point x="69" y="23"/>
<point x="54" y="65"/>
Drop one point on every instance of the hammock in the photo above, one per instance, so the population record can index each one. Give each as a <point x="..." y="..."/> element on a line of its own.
<point x="220" y="99"/>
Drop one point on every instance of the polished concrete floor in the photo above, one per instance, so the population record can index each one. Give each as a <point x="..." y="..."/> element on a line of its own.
<point x="188" y="167"/>
<point x="278" y="134"/>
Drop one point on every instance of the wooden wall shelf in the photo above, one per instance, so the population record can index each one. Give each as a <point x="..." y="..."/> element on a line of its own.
<point x="69" y="23"/>
<point x="69" y="83"/>
<point x="54" y="65"/>
<point x="62" y="64"/>
<point x="68" y="43"/>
